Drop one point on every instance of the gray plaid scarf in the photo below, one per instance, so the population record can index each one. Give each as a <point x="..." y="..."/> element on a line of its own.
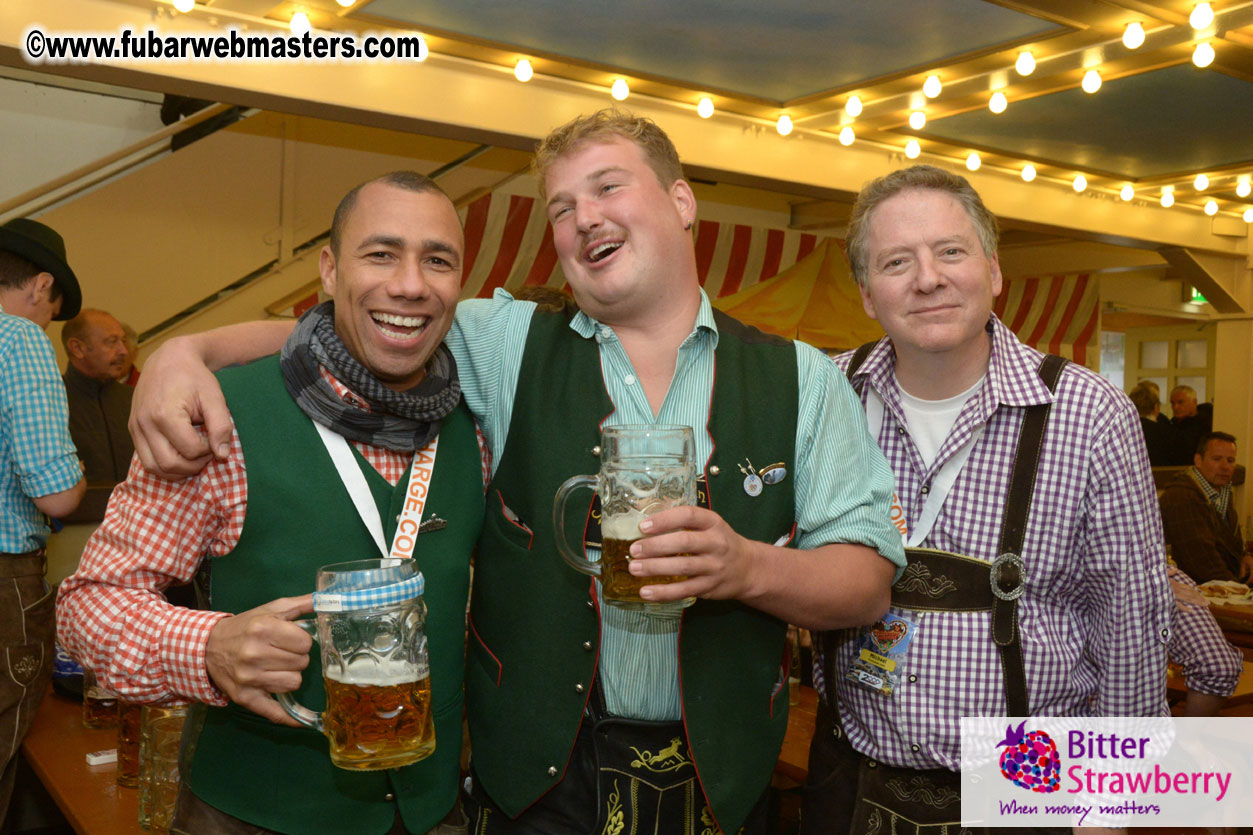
<point x="399" y="420"/>
<point x="1219" y="498"/>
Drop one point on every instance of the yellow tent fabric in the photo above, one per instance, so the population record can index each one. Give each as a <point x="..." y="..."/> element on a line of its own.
<point x="815" y="300"/>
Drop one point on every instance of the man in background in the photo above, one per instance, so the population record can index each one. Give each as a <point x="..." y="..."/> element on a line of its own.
<point x="1199" y="518"/>
<point x="39" y="472"/>
<point x="1189" y="421"/>
<point x="95" y="344"/>
<point x="1157" y="435"/>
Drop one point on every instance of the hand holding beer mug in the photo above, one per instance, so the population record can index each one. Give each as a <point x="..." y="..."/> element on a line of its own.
<point x="644" y="469"/>
<point x="375" y="667"/>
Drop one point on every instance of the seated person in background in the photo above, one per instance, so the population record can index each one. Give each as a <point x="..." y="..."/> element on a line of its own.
<point x="95" y="344"/>
<point x="1198" y="518"/>
<point x="1188" y="423"/>
<point x="1211" y="665"/>
<point x="1156" y="431"/>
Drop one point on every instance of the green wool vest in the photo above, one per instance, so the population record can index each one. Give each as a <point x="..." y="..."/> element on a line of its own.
<point x="299" y="518"/>
<point x="535" y="633"/>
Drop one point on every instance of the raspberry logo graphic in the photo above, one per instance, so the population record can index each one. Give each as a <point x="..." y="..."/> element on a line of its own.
<point x="1030" y="759"/>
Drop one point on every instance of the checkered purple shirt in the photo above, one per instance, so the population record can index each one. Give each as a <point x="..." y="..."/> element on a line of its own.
<point x="1096" y="615"/>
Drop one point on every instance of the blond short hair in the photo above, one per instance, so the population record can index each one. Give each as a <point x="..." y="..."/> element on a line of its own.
<point x="605" y="126"/>
<point x="876" y="192"/>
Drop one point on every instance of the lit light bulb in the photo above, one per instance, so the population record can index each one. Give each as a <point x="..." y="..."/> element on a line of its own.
<point x="973" y="162"/>
<point x="705" y="107"/>
<point x="1211" y="207"/>
<point x="932" y="86"/>
<point x="1127" y="193"/>
<point x="853" y="107"/>
<point x="1168" y="198"/>
<point x="620" y="90"/>
<point x="847" y="136"/>
<point x="1248" y="215"/>
<point x="917" y="120"/>
<point x="1079" y="183"/>
<point x="912" y="149"/>
<point x="1028" y="173"/>
<point x="1025" y="63"/>
<point x="1203" y="55"/>
<point x="1091" y="81"/>
<point x="1202" y="16"/>
<point x="184" y="6"/>
<point x="523" y="70"/>
<point x="784" y="127"/>
<point x="1201" y="182"/>
<point x="300" y="24"/>
<point x="346" y="3"/>
<point x="1244" y="187"/>
<point x="998" y="102"/>
<point x="1133" y="36"/>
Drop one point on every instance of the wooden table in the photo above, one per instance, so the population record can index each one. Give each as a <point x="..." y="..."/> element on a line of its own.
<point x="88" y="795"/>
<point x="793" y="762"/>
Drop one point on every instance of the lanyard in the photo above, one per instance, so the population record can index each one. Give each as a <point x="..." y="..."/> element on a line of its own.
<point x="941" y="485"/>
<point x="406" y="538"/>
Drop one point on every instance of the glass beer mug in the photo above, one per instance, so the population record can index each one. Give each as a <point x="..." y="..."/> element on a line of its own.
<point x="644" y="469"/>
<point x="375" y="666"/>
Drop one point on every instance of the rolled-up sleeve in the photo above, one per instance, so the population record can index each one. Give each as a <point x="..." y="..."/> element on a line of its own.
<point x="844" y="485"/>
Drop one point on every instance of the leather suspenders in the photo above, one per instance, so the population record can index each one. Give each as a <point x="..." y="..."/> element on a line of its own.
<point x="940" y="581"/>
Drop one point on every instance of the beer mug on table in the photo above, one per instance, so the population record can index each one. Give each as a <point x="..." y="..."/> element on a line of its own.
<point x="644" y="469"/>
<point x="375" y="665"/>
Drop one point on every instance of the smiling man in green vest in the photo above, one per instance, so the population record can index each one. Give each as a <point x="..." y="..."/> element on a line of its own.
<point x="587" y="718"/>
<point x="370" y="367"/>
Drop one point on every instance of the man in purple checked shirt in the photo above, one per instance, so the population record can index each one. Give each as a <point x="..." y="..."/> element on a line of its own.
<point x="1036" y="583"/>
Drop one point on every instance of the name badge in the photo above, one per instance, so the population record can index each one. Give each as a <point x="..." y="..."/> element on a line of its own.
<point x="881" y="650"/>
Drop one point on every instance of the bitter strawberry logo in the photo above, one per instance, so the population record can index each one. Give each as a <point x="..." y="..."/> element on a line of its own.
<point x="1030" y="759"/>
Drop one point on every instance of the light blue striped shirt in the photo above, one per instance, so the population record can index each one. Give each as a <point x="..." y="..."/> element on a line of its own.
<point x="639" y="655"/>
<point x="37" y="457"/>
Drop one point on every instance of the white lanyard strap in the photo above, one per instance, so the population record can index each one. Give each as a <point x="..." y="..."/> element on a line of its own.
<point x="406" y="538"/>
<point x="941" y="485"/>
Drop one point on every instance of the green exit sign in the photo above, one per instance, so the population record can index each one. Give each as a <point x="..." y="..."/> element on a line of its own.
<point x="1196" y="297"/>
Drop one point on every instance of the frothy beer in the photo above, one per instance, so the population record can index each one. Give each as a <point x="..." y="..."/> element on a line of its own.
<point x="617" y="581"/>
<point x="374" y="725"/>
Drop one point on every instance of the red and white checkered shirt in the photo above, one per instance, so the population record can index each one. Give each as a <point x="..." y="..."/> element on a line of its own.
<point x="111" y="614"/>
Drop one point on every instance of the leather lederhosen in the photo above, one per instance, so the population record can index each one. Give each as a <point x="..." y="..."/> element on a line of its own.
<point x="640" y="773"/>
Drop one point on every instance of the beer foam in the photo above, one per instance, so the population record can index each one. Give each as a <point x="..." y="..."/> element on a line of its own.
<point x="372" y="676"/>
<point x="622" y="526"/>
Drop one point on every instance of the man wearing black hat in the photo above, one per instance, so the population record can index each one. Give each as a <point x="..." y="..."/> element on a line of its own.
<point x="39" y="471"/>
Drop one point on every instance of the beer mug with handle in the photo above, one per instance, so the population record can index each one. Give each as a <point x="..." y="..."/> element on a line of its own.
<point x="375" y="667"/>
<point x="643" y="469"/>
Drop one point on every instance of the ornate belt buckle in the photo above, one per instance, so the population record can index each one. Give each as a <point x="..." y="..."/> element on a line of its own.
<point x="1012" y="568"/>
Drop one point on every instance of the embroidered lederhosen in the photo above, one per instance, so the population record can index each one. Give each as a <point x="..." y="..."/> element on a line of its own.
<point x="933" y="581"/>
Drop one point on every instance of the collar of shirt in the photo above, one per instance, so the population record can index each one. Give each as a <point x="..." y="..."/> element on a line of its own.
<point x="1011" y="381"/>
<point x="88" y="385"/>
<point x="344" y="393"/>
<point x="587" y="327"/>
<point x="1219" y="498"/>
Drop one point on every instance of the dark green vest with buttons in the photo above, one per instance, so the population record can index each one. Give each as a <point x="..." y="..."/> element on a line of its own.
<point x="535" y="634"/>
<point x="299" y="518"/>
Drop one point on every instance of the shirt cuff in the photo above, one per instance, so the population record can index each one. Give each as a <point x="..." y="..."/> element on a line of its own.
<point x="183" y="645"/>
<point x="58" y="475"/>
